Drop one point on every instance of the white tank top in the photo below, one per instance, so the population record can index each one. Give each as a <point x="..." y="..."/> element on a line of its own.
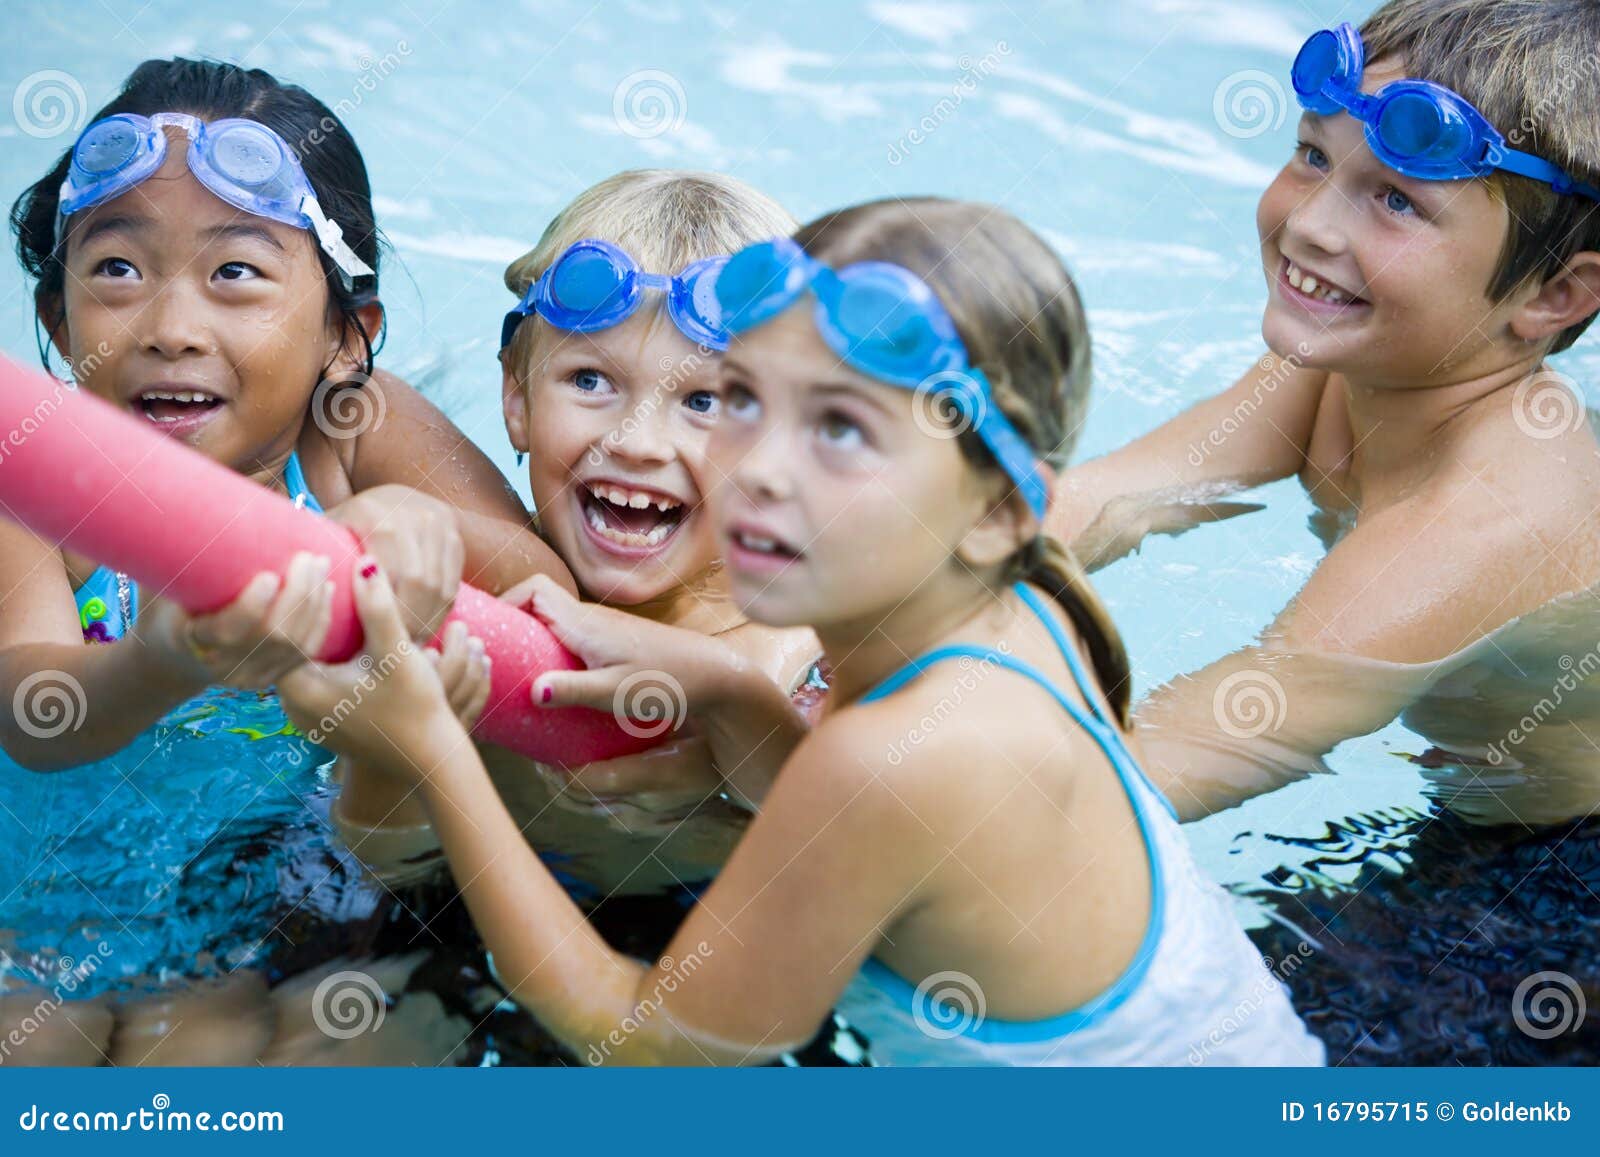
<point x="1197" y="991"/>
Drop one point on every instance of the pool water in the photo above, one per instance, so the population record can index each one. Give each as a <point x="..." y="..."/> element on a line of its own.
<point x="1136" y="136"/>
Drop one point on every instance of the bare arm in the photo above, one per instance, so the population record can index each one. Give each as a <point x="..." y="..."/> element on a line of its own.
<point x="81" y="702"/>
<point x="76" y="702"/>
<point x="415" y="445"/>
<point x="832" y="860"/>
<point x="1404" y="591"/>
<point x="1169" y="480"/>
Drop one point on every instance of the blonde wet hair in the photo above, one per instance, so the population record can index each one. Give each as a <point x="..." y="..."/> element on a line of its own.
<point x="664" y="219"/>
<point x="1019" y="314"/>
<point x="1532" y="67"/>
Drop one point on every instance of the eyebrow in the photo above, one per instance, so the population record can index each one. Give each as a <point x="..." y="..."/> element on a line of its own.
<point x="852" y="391"/>
<point x="242" y="230"/>
<point x="129" y="223"/>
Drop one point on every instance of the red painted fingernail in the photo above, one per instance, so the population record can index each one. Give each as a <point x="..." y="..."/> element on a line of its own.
<point x="546" y="695"/>
<point x="369" y="570"/>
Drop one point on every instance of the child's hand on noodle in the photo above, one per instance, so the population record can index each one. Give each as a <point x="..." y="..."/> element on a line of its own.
<point x="396" y="705"/>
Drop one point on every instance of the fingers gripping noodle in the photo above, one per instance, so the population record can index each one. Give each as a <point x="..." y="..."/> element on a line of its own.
<point x="79" y="473"/>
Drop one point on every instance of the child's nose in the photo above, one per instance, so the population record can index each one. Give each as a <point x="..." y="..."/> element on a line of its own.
<point x="171" y="324"/>
<point x="641" y="438"/>
<point x="764" y="468"/>
<point x="1318" y="219"/>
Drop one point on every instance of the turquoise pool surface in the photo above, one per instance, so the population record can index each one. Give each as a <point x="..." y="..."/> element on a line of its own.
<point x="1136" y="136"/>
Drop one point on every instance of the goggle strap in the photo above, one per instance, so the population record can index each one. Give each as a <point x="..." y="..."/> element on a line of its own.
<point x="1539" y="169"/>
<point x="331" y="238"/>
<point x="1010" y="450"/>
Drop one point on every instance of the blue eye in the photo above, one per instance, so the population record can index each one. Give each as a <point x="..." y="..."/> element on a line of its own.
<point x="703" y="402"/>
<point x="591" y="381"/>
<point x="1397" y="202"/>
<point x="1314" y="156"/>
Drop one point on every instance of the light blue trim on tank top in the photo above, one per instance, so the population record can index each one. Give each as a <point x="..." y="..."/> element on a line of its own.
<point x="118" y="595"/>
<point x="994" y="1031"/>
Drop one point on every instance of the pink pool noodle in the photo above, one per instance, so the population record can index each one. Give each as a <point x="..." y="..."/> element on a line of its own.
<point x="82" y="474"/>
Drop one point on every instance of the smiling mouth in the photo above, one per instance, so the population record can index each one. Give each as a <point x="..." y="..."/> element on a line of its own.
<point x="762" y="544"/>
<point x="172" y="406"/>
<point x="630" y="518"/>
<point x="1318" y="289"/>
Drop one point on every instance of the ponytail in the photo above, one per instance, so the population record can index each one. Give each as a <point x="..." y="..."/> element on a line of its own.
<point x="1050" y="566"/>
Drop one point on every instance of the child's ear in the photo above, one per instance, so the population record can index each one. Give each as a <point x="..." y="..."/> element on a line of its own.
<point x="514" y="405"/>
<point x="1008" y="526"/>
<point x="351" y="358"/>
<point x="1562" y="301"/>
<point x="54" y="319"/>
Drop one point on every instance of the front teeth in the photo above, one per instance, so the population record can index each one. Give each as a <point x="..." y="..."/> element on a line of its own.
<point x="626" y="538"/>
<point x="758" y="543"/>
<point x="1311" y="287"/>
<point x="180" y="396"/>
<point x="635" y="499"/>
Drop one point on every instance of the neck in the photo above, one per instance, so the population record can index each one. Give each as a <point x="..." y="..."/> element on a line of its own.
<point x="862" y="653"/>
<point x="701" y="604"/>
<point x="1392" y="420"/>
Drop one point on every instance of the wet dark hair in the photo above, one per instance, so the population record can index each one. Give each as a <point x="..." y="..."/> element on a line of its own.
<point x="214" y="90"/>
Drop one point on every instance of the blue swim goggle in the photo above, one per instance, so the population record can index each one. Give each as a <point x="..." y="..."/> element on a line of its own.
<point x="886" y="322"/>
<point x="1415" y="127"/>
<point x="241" y="161"/>
<point x="594" y="285"/>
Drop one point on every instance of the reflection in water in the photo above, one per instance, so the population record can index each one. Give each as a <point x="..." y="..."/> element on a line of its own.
<point x="1470" y="933"/>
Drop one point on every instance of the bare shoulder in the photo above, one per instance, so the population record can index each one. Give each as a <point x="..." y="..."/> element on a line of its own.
<point x="786" y="655"/>
<point x="930" y="754"/>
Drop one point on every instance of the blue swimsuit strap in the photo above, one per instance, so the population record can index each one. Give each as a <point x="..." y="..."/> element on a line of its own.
<point x="1109" y="741"/>
<point x="103" y="582"/>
